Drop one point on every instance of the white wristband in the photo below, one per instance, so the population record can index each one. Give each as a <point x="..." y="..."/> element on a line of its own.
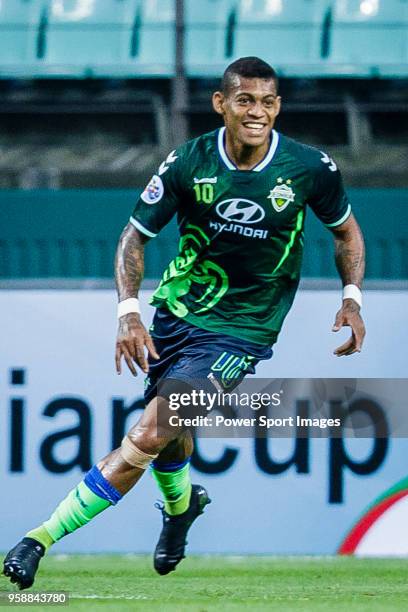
<point x="127" y="306"/>
<point x="353" y="292"/>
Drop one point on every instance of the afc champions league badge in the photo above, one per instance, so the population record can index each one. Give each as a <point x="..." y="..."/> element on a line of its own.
<point x="281" y="195"/>
<point x="154" y="190"/>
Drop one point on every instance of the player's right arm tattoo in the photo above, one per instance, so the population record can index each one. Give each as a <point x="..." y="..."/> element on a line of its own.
<point x="350" y="252"/>
<point x="132" y="335"/>
<point x="129" y="262"/>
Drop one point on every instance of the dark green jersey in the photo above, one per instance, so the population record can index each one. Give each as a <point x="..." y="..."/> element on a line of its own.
<point x="241" y="231"/>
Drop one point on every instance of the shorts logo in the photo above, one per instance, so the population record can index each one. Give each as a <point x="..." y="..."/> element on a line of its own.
<point x="154" y="191"/>
<point x="242" y="211"/>
<point x="281" y="195"/>
<point x="231" y="368"/>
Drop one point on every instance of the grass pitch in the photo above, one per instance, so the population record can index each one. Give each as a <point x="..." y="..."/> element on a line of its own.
<point x="124" y="583"/>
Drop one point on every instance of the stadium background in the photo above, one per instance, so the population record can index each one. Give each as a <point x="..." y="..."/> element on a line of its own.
<point x="93" y="95"/>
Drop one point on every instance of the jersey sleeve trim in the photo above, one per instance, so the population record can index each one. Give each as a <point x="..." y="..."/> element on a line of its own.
<point x="141" y="228"/>
<point x="342" y="219"/>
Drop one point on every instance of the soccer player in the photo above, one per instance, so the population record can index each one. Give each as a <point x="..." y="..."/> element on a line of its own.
<point x="240" y="194"/>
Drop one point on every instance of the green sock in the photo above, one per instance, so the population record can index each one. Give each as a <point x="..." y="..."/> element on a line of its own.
<point x="76" y="510"/>
<point x="175" y="487"/>
<point x="41" y="535"/>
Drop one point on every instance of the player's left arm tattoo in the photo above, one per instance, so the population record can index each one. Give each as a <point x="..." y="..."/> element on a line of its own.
<point x="350" y="252"/>
<point x="350" y="263"/>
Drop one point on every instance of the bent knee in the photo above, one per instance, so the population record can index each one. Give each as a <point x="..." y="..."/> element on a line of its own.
<point x="134" y="455"/>
<point x="148" y="438"/>
<point x="142" y="445"/>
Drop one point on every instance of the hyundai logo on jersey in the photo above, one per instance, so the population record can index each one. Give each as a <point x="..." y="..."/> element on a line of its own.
<point x="243" y="211"/>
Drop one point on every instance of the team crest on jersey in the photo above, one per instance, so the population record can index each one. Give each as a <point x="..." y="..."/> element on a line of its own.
<point x="281" y="195"/>
<point x="154" y="190"/>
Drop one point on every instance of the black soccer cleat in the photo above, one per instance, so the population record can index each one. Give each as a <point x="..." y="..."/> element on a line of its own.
<point x="22" y="562"/>
<point x="172" y="542"/>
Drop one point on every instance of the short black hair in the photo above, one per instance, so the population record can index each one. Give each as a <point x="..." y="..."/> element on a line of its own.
<point x="250" y="68"/>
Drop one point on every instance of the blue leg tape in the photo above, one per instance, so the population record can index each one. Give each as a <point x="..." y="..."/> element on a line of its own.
<point x="102" y="487"/>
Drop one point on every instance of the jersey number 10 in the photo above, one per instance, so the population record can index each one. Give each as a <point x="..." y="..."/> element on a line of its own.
<point x="204" y="193"/>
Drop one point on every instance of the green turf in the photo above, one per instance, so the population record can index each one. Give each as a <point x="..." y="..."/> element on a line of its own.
<point x="225" y="583"/>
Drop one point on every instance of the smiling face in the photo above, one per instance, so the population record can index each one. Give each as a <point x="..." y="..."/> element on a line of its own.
<point x="249" y="107"/>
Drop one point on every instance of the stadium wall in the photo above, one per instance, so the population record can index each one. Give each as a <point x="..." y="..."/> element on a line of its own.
<point x="63" y="407"/>
<point x="73" y="234"/>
